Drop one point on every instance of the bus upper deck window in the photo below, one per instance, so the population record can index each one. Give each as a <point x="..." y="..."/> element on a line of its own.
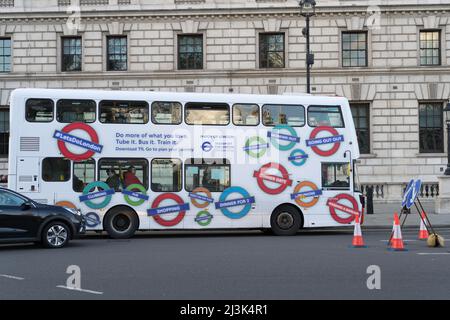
<point x="124" y="112"/>
<point x="39" y="110"/>
<point x="330" y="116"/>
<point x="55" y="170"/>
<point x="199" y="113"/>
<point x="68" y="111"/>
<point x="292" y="115"/>
<point x="245" y="114"/>
<point x="166" y="112"/>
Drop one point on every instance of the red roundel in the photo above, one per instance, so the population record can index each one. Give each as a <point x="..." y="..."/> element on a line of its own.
<point x="177" y="219"/>
<point x="334" y="205"/>
<point x="326" y="153"/>
<point x="262" y="176"/>
<point x="78" y="126"/>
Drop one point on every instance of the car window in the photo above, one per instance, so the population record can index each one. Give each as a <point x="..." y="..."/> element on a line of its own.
<point x="8" y="199"/>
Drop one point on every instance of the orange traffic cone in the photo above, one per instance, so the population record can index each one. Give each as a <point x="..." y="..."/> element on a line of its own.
<point x="423" y="232"/>
<point x="397" y="241"/>
<point x="358" y="241"/>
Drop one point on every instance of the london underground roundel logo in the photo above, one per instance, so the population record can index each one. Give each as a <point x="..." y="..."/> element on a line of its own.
<point x="335" y="139"/>
<point x="157" y="212"/>
<point x="340" y="204"/>
<point x="276" y="136"/>
<point x="64" y="137"/>
<point x="262" y="177"/>
<point x="244" y="202"/>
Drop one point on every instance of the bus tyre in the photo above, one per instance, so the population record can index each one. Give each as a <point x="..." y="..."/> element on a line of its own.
<point x="285" y="221"/>
<point x="121" y="223"/>
<point x="55" y="235"/>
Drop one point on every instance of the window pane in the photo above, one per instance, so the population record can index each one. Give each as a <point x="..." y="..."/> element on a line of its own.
<point x="71" y="54"/>
<point x="121" y="173"/>
<point x="166" y="112"/>
<point x="271" y="50"/>
<point x="123" y="112"/>
<point x="4" y="131"/>
<point x="55" y="169"/>
<point x="213" y="174"/>
<point x="325" y="116"/>
<point x="207" y="113"/>
<point x="360" y="113"/>
<point x="117" y="54"/>
<point x="68" y="111"/>
<point x="431" y="128"/>
<point x="83" y="174"/>
<point x="430" y="48"/>
<point x="166" y="175"/>
<point x="190" y="52"/>
<point x="39" y="110"/>
<point x="246" y="114"/>
<point x="9" y="199"/>
<point x="336" y="176"/>
<point x="283" y="114"/>
<point x="354" y="49"/>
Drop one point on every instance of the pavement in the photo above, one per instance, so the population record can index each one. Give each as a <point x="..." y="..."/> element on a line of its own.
<point x="230" y="265"/>
<point x="383" y="216"/>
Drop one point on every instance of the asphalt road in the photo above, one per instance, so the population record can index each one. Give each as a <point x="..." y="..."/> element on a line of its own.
<point x="224" y="265"/>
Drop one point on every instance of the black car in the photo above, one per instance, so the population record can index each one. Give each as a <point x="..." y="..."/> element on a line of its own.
<point x="25" y="220"/>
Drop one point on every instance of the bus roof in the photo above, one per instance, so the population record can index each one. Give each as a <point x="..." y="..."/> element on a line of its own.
<point x="176" y="96"/>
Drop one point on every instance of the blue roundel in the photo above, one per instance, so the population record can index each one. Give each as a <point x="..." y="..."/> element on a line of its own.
<point x="207" y="146"/>
<point x="92" y="219"/>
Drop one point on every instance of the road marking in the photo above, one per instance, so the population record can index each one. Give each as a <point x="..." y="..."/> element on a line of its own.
<point x="433" y="253"/>
<point x="11" y="277"/>
<point x="80" y="290"/>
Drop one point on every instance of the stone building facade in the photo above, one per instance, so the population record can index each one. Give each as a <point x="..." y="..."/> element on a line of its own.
<point x="397" y="76"/>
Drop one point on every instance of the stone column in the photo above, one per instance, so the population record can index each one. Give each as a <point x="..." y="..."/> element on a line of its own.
<point x="443" y="201"/>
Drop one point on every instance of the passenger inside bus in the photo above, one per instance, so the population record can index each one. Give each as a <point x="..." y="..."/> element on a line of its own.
<point x="130" y="178"/>
<point x="113" y="180"/>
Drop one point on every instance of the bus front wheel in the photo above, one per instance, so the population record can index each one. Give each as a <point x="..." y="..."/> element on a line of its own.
<point x="121" y="222"/>
<point x="285" y="221"/>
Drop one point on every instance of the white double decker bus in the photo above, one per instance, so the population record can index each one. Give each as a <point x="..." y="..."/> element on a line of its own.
<point x="163" y="160"/>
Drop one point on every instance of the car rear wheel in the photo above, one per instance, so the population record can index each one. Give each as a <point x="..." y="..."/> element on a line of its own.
<point x="55" y="235"/>
<point x="121" y="223"/>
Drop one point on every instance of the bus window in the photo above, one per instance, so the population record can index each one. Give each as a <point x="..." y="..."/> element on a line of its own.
<point x="68" y="111"/>
<point x="336" y="176"/>
<point x="121" y="173"/>
<point x="212" y="174"/>
<point x="166" y="112"/>
<point x="39" y="110"/>
<point x="166" y="175"/>
<point x="207" y="113"/>
<point x="245" y="114"/>
<point x="292" y="115"/>
<point x="123" y="112"/>
<point x="83" y="174"/>
<point x="55" y="169"/>
<point x="325" y="116"/>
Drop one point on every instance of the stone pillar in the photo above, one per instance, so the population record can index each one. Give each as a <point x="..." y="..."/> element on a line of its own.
<point x="443" y="201"/>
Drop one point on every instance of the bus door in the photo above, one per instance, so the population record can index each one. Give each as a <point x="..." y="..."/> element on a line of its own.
<point x="28" y="169"/>
<point x="337" y="183"/>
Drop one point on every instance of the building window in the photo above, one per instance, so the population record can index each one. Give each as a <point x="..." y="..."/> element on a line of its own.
<point x="166" y="175"/>
<point x="72" y="54"/>
<point x="68" y="111"/>
<point x="4" y="131"/>
<point x="212" y="174"/>
<point x="431" y="128"/>
<point x="271" y="50"/>
<point x="207" y="113"/>
<point x="291" y="115"/>
<point x="361" y="119"/>
<point x="117" y="53"/>
<point x="354" y="49"/>
<point x="55" y="169"/>
<point x="190" y="52"/>
<point x="123" y="111"/>
<point x="5" y="55"/>
<point x="166" y="112"/>
<point x="430" y="48"/>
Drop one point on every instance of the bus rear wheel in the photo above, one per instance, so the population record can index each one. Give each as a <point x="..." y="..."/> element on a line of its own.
<point x="285" y="221"/>
<point x="121" y="222"/>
